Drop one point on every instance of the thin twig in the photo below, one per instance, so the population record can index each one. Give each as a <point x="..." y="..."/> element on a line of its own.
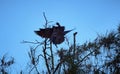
<point x="86" y="57"/>
<point x="52" y="60"/>
<point x="45" y="57"/>
<point x="36" y="42"/>
<point x="34" y="61"/>
<point x="46" y="21"/>
<point x="58" y="65"/>
<point x="35" y="66"/>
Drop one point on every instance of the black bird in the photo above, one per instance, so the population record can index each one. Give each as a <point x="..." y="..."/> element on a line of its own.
<point x="56" y="34"/>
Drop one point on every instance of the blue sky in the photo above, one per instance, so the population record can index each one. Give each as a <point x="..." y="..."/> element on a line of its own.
<point x="19" y="19"/>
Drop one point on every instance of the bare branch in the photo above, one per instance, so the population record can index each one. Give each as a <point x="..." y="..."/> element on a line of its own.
<point x="52" y="60"/>
<point x="35" y="42"/>
<point x="45" y="57"/>
<point x="58" y="65"/>
<point x="46" y="21"/>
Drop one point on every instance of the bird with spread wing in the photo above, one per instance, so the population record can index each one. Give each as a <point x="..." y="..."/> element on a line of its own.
<point x="56" y="34"/>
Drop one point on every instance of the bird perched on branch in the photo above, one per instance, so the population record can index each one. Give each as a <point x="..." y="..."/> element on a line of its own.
<point x="56" y="34"/>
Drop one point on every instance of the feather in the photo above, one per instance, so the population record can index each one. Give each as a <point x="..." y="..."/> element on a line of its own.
<point x="65" y="32"/>
<point x="56" y="34"/>
<point x="45" y="33"/>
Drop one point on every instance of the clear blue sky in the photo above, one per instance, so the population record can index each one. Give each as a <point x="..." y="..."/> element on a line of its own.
<point x="19" y="19"/>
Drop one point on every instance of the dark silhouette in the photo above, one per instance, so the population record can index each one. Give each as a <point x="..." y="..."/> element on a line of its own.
<point x="77" y="58"/>
<point x="56" y="34"/>
<point x="5" y="63"/>
<point x="100" y="56"/>
<point x="44" y="33"/>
